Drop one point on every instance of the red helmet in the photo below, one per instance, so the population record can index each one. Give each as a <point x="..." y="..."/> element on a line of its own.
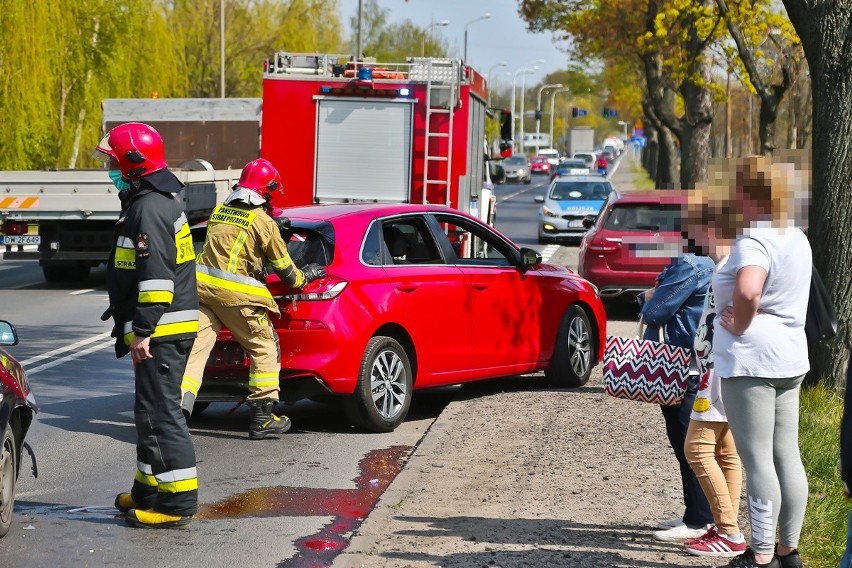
<point x="138" y="148"/>
<point x="260" y="177"/>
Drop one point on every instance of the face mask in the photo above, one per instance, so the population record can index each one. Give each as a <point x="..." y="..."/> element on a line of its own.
<point x="118" y="181"/>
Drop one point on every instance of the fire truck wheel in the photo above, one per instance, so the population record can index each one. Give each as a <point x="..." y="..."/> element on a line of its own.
<point x="571" y="364"/>
<point x="8" y="471"/>
<point x="383" y="393"/>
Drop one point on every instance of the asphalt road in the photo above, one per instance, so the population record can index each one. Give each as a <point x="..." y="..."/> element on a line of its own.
<point x="291" y="502"/>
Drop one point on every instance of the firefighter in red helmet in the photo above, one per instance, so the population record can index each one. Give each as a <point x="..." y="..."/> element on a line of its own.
<point x="154" y="304"/>
<point x="242" y="240"/>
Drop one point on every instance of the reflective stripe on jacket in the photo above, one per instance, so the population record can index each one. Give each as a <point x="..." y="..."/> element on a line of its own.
<point x="241" y="241"/>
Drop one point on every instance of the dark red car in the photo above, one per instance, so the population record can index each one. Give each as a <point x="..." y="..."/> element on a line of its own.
<point x="17" y="407"/>
<point x="540" y="165"/>
<point x="416" y="296"/>
<point x="636" y="235"/>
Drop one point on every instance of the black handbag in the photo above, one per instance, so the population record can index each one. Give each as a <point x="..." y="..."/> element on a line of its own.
<point x="821" y="319"/>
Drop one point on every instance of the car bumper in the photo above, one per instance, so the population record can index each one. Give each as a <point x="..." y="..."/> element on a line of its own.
<point x="556" y="227"/>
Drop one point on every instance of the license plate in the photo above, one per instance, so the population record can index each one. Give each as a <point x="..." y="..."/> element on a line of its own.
<point x="20" y="239"/>
<point x="575" y="223"/>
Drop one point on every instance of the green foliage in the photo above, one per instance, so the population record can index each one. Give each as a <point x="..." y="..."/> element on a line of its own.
<point x="824" y="532"/>
<point x="393" y="43"/>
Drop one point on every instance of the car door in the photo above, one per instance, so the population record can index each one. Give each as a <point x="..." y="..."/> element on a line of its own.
<point x="431" y="299"/>
<point x="505" y="302"/>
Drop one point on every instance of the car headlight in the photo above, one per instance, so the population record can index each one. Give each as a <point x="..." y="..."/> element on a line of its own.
<point x="520" y="171"/>
<point x="549" y="213"/>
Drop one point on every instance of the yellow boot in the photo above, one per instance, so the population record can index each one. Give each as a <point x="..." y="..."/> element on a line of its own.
<point x="151" y="519"/>
<point x="124" y="502"/>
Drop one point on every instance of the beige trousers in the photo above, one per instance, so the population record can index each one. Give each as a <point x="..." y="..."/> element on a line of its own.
<point x="710" y="451"/>
<point x="252" y="329"/>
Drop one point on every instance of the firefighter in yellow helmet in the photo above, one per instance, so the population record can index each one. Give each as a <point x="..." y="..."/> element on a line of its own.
<point x="242" y="239"/>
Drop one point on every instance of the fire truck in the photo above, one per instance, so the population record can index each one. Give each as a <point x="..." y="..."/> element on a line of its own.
<point x="347" y="131"/>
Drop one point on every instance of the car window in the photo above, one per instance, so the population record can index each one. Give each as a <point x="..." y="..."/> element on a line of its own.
<point x="573" y="164"/>
<point x="408" y="241"/>
<point x="515" y="160"/>
<point x="473" y="244"/>
<point x="307" y="247"/>
<point x="644" y="217"/>
<point x="580" y="191"/>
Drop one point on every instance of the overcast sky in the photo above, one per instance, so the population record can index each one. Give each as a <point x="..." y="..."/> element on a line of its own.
<point x="501" y="38"/>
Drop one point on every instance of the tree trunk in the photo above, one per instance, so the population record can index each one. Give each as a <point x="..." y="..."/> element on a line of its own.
<point x="823" y="30"/>
<point x="695" y="138"/>
<point x="768" y="117"/>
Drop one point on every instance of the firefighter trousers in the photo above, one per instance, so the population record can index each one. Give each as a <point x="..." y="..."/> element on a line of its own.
<point x="166" y="479"/>
<point x="252" y="329"/>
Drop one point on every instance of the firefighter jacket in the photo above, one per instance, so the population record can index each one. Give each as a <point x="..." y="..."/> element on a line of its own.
<point x="151" y="269"/>
<point x="241" y="241"/>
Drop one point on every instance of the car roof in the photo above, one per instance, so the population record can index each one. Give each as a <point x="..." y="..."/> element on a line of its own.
<point x="583" y="177"/>
<point x="369" y="210"/>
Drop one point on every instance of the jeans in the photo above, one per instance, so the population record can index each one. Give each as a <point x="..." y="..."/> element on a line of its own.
<point x="697" y="512"/>
<point x="846" y="561"/>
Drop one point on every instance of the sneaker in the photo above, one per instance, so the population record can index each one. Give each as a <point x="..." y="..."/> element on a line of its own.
<point x="151" y="519"/>
<point x="746" y="560"/>
<point x="792" y="560"/>
<point x="680" y="533"/>
<point x="669" y="523"/>
<point x="715" y="544"/>
<point x="711" y="532"/>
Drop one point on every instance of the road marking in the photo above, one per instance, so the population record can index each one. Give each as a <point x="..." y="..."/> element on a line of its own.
<point x="59" y="350"/>
<point x="68" y="358"/>
<point x="517" y="193"/>
<point x="548" y="251"/>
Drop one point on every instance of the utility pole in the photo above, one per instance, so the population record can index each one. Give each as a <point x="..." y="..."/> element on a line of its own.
<point x="222" y="48"/>
<point x="358" y="54"/>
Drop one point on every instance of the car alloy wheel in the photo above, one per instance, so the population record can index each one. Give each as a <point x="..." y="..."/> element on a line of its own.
<point x="571" y="363"/>
<point x="579" y="346"/>
<point x="385" y="382"/>
<point x="8" y="470"/>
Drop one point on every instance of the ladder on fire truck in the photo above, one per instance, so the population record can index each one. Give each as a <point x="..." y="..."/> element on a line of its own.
<point x="442" y="78"/>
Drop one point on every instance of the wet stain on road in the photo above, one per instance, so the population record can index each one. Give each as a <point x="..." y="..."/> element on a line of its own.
<point x="348" y="507"/>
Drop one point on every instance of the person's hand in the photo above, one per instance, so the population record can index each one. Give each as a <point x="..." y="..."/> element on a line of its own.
<point x="284" y="225"/>
<point x="649" y="293"/>
<point x="139" y="349"/>
<point x="313" y="271"/>
<point x="726" y="320"/>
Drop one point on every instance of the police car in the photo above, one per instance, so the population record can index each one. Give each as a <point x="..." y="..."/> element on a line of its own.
<point x="569" y="200"/>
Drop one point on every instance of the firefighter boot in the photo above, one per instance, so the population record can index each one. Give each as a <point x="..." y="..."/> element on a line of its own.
<point x="124" y="502"/>
<point x="151" y="519"/>
<point x="262" y="422"/>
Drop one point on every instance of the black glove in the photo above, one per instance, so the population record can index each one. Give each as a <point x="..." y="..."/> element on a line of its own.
<point x="284" y="226"/>
<point x="313" y="271"/>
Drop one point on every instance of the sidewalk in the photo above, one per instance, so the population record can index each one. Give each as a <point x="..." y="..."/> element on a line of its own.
<point x="515" y="473"/>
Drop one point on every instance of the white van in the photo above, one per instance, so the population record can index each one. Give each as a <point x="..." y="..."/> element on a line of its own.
<point x="552" y="156"/>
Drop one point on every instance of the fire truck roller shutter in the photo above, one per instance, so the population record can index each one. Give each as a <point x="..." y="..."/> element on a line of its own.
<point x="363" y="150"/>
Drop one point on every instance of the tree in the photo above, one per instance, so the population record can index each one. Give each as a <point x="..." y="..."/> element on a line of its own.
<point x="393" y="42"/>
<point x="750" y="24"/>
<point x="824" y="30"/>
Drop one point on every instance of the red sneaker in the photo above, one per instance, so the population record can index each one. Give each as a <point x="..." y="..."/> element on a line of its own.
<point x="711" y="533"/>
<point x="716" y="545"/>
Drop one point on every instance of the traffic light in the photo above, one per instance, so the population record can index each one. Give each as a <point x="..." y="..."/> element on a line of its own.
<point x="506" y="124"/>
<point x="609" y="112"/>
<point x="575" y="112"/>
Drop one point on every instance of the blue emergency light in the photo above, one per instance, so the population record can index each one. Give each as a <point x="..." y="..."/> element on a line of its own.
<point x="365" y="74"/>
<point x="404" y="92"/>
<point x="325" y="89"/>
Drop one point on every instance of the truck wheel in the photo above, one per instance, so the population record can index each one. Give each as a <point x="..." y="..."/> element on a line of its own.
<point x="571" y="364"/>
<point x="76" y="273"/>
<point x="8" y="471"/>
<point x="383" y="393"/>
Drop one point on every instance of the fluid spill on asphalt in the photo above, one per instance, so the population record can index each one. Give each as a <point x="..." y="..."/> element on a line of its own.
<point x="348" y="507"/>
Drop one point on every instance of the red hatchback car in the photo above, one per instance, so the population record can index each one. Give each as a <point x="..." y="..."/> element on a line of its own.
<point x="636" y="235"/>
<point x="540" y="165"/>
<point x="416" y="296"/>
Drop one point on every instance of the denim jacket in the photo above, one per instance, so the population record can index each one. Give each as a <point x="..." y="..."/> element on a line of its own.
<point x="678" y="300"/>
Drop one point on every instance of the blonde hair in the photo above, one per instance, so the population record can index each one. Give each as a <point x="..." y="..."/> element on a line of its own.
<point x="767" y="183"/>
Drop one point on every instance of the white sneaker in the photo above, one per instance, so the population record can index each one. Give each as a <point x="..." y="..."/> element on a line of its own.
<point x="680" y="533"/>
<point x="669" y="523"/>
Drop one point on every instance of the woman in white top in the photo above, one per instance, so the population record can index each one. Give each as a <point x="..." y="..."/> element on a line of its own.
<point x="761" y="355"/>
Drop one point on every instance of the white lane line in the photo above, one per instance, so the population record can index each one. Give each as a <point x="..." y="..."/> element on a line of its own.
<point x="517" y="193"/>
<point x="71" y="357"/>
<point x="59" y="350"/>
<point x="548" y="252"/>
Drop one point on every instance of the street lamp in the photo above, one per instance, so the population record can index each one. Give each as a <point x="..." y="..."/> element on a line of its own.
<point x="523" y="98"/>
<point x="488" y="77"/>
<point x="553" y="109"/>
<point x="483" y="17"/>
<point x="538" y="111"/>
<point x="523" y="70"/>
<point x="432" y="25"/>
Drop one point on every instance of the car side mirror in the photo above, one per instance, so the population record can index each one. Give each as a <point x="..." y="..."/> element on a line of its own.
<point x="529" y="257"/>
<point x="588" y="222"/>
<point x="8" y="335"/>
<point x="539" y="199"/>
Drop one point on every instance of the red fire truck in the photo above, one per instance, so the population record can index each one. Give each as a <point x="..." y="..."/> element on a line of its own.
<point x="341" y="130"/>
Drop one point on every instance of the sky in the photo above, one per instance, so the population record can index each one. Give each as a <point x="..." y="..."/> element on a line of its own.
<point x="502" y="38"/>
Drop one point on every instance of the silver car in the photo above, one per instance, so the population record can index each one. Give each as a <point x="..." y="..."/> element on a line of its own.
<point x="517" y="168"/>
<point x="568" y="202"/>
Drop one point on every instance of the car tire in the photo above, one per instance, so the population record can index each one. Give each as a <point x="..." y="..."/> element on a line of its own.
<point x="528" y="180"/>
<point x="386" y="366"/>
<point x="571" y="364"/>
<point x="8" y="473"/>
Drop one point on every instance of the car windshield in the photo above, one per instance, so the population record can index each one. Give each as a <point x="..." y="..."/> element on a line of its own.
<point x="580" y="191"/>
<point x="514" y="160"/>
<point x="644" y="217"/>
<point x="573" y="164"/>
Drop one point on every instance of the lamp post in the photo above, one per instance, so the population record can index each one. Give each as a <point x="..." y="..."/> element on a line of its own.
<point x="523" y="100"/>
<point x="523" y="70"/>
<point x="553" y="108"/>
<point x="222" y="48"/>
<point x="538" y="110"/>
<point x="432" y="25"/>
<point x="488" y="77"/>
<point x="467" y="25"/>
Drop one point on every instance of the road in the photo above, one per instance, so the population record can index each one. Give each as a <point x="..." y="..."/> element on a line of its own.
<point x="291" y="502"/>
